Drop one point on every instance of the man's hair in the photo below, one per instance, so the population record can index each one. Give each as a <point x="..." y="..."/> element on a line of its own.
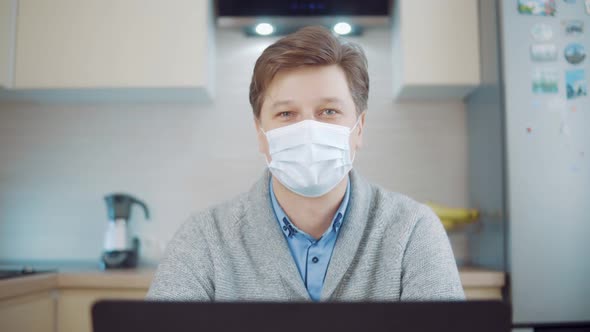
<point x="311" y="46"/>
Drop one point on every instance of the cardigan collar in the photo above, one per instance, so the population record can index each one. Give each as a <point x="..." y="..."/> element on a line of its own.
<point x="261" y="218"/>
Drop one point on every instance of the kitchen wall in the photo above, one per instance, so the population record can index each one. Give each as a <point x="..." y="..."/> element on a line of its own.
<point x="58" y="159"/>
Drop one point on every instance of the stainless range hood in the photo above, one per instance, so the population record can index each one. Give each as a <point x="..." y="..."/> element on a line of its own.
<point x="291" y="14"/>
<point x="255" y="8"/>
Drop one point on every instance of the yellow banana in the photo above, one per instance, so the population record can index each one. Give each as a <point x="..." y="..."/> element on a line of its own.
<point x="447" y="224"/>
<point x="453" y="217"/>
<point x="454" y="214"/>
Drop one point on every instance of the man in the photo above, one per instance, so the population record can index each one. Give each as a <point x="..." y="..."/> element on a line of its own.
<point x="311" y="229"/>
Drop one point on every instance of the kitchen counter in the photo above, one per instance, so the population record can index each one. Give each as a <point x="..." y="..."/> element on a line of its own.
<point x="472" y="277"/>
<point x="112" y="279"/>
<point x="89" y="279"/>
<point x="27" y="284"/>
<point x="140" y="279"/>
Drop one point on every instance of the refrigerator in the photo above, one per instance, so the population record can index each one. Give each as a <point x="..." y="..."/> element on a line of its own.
<point x="529" y="157"/>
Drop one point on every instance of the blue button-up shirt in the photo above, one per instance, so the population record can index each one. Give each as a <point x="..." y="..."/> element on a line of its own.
<point x="311" y="256"/>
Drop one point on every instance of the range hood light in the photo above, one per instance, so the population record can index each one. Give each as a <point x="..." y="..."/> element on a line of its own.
<point x="264" y="29"/>
<point x="342" y="28"/>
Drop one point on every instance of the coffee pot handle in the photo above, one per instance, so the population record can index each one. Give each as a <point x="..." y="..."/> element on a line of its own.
<point x="145" y="208"/>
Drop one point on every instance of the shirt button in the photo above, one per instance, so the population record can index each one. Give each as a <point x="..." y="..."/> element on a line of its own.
<point x="315" y="260"/>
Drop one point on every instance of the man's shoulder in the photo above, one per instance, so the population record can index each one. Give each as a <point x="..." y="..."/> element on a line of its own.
<point x="212" y="224"/>
<point x="225" y="221"/>
<point x="396" y="203"/>
<point x="398" y="211"/>
<point x="405" y="218"/>
<point x="221" y="216"/>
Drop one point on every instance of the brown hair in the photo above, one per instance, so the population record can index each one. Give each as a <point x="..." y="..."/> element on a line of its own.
<point x="311" y="46"/>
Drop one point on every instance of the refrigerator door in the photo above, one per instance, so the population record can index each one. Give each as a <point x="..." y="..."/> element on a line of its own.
<point x="547" y="124"/>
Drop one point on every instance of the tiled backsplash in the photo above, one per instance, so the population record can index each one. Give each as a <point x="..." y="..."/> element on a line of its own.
<point x="58" y="160"/>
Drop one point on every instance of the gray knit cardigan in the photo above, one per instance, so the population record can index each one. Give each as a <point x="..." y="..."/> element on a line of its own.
<point x="390" y="248"/>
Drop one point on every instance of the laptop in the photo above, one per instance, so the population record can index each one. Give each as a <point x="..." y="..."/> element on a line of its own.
<point x="145" y="316"/>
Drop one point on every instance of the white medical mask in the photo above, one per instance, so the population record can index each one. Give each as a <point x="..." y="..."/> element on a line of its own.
<point x="309" y="157"/>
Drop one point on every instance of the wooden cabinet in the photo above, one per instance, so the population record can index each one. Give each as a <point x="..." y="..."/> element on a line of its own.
<point x="69" y="310"/>
<point x="65" y="310"/>
<point x="7" y="41"/>
<point x="483" y="293"/>
<point x="482" y="284"/>
<point x="63" y="302"/>
<point x="435" y="49"/>
<point x="106" y="44"/>
<point x="75" y="305"/>
<point x="32" y="312"/>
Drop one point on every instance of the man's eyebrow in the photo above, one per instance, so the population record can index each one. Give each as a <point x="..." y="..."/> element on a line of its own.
<point x="331" y="100"/>
<point x="281" y="103"/>
<point x="323" y="100"/>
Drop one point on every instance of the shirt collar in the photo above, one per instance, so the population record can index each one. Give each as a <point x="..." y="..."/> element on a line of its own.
<point x="290" y="230"/>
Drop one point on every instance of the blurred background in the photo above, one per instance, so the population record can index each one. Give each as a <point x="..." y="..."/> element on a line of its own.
<point x="118" y="119"/>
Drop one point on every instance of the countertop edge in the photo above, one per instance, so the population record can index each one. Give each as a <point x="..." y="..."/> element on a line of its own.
<point x="106" y="280"/>
<point x="482" y="278"/>
<point x="14" y="287"/>
<point x="140" y="279"/>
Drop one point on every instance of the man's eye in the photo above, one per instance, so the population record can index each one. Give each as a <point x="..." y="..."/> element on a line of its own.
<point x="329" y="111"/>
<point x="285" y="114"/>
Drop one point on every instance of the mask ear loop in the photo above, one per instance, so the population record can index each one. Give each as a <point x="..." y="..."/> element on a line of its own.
<point x="351" y="130"/>
<point x="355" y="124"/>
<point x="266" y="137"/>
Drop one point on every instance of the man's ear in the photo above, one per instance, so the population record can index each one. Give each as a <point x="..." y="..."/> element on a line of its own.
<point x="256" y="123"/>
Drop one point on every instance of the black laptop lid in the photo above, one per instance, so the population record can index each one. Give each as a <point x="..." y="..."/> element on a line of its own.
<point x="136" y="316"/>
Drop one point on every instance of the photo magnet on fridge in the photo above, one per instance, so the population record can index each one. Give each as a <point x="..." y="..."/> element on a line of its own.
<point x="557" y="105"/>
<point x="543" y="52"/>
<point x="576" y="84"/>
<point x="537" y="7"/>
<point x="574" y="53"/>
<point x="564" y="129"/>
<point x="545" y="80"/>
<point x="573" y="28"/>
<point x="542" y="32"/>
<point x="588" y="7"/>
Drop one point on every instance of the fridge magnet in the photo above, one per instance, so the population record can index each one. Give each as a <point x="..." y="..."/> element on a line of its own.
<point x="588" y="7"/>
<point x="537" y="7"/>
<point x="571" y="2"/>
<point x="574" y="53"/>
<point x="543" y="52"/>
<point x="574" y="168"/>
<point x="573" y="27"/>
<point x="545" y="81"/>
<point x="564" y="129"/>
<point x="542" y="32"/>
<point x="576" y="84"/>
<point x="557" y="105"/>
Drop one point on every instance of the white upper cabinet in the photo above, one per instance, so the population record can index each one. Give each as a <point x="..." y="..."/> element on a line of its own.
<point x="435" y="49"/>
<point x="105" y="44"/>
<point x="7" y="41"/>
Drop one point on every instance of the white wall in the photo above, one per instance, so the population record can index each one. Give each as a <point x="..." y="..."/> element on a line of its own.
<point x="58" y="160"/>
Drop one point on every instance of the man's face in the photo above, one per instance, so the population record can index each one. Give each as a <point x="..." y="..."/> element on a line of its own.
<point x="317" y="93"/>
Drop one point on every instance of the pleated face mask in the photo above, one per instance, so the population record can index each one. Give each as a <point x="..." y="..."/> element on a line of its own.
<point x="310" y="157"/>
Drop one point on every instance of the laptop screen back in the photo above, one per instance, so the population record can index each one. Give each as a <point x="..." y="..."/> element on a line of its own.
<point x="131" y="316"/>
